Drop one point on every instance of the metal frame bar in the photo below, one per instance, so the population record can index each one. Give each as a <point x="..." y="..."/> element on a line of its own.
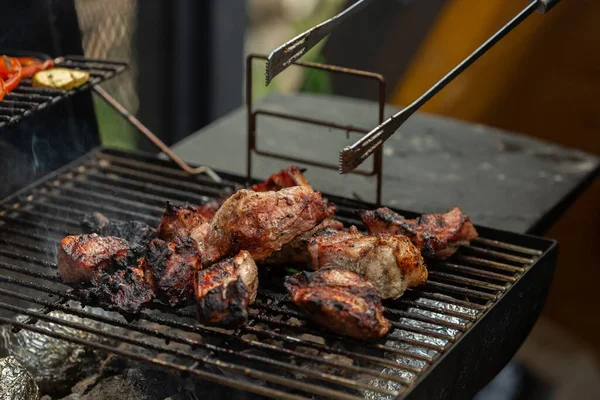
<point x="377" y="170"/>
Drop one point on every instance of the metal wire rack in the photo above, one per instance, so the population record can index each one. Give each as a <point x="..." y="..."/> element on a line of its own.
<point x="278" y="353"/>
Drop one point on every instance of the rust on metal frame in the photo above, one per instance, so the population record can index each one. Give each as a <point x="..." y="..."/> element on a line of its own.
<point x="377" y="170"/>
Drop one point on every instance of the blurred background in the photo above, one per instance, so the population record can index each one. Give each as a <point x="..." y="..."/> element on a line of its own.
<point x="187" y="70"/>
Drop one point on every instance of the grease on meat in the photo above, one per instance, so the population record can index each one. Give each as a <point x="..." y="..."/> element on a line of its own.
<point x="224" y="290"/>
<point x="133" y="231"/>
<point x="291" y="176"/>
<point x="436" y="235"/>
<point x="390" y="262"/>
<point x="339" y="300"/>
<point x="170" y="267"/>
<point x="262" y="222"/>
<point x="81" y="257"/>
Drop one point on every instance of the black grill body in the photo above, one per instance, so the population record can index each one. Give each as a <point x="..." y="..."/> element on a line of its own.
<point x="449" y="337"/>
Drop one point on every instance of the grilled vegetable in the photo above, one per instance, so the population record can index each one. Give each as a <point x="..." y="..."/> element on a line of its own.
<point x="10" y="75"/>
<point x="60" y="78"/>
<point x="30" y="66"/>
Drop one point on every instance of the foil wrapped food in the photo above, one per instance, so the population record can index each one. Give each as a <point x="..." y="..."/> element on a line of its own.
<point x="55" y="364"/>
<point x="15" y="382"/>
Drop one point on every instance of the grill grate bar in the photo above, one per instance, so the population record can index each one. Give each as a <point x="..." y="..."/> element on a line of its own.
<point x="204" y="360"/>
<point x="321" y="332"/>
<point x="427" y="307"/>
<point x="476" y="272"/>
<point x="507" y="246"/>
<point x="461" y="279"/>
<point x="278" y="340"/>
<point x="27" y="100"/>
<point x="194" y="343"/>
<point x="95" y="206"/>
<point x="489" y="263"/>
<point x="273" y="393"/>
<point x="102" y="196"/>
<point x="149" y="187"/>
<point x="503" y="256"/>
<point x="22" y="222"/>
<point x="72" y="296"/>
<point x="29" y="235"/>
<point x="460" y="290"/>
<point x="167" y="182"/>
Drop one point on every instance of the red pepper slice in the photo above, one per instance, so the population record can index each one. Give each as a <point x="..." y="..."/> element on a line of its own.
<point x="2" y="91"/>
<point x="9" y="66"/>
<point x="31" y="66"/>
<point x="10" y="72"/>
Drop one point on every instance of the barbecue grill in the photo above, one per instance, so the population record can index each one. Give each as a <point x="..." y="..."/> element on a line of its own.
<point x="483" y="301"/>
<point x="448" y="338"/>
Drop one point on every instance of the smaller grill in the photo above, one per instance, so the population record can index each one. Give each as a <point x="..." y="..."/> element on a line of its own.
<point x="465" y="323"/>
<point x="26" y="100"/>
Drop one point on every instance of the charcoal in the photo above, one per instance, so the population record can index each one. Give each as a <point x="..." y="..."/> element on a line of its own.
<point x="15" y="382"/>
<point x="133" y="231"/>
<point x="139" y="383"/>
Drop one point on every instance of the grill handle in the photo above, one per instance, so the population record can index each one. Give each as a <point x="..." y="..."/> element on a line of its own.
<point x="546" y="5"/>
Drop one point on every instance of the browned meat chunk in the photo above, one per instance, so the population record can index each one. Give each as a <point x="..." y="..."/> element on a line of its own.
<point x="224" y="290"/>
<point x="133" y="231"/>
<point x="81" y="257"/>
<point x="436" y="235"/>
<point x="339" y="300"/>
<point x="390" y="262"/>
<point x="262" y="222"/>
<point x="170" y="267"/>
<point x="178" y="220"/>
<point x="125" y="290"/>
<point x="289" y="177"/>
<point x="296" y="252"/>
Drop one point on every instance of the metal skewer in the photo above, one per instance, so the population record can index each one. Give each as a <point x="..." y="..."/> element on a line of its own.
<point x="154" y="139"/>
<point x="354" y="155"/>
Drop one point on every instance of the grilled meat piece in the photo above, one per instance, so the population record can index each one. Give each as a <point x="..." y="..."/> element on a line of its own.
<point x="340" y="300"/>
<point x="169" y="268"/>
<point x="390" y="262"/>
<point x="296" y="252"/>
<point x="178" y="220"/>
<point x="81" y="257"/>
<point x="224" y="290"/>
<point x="262" y="222"/>
<point x="289" y="177"/>
<point x="436" y="235"/>
<point x="125" y="290"/>
<point x="133" y="231"/>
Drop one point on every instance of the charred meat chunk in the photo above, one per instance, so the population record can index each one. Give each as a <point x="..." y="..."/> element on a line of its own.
<point x="178" y="220"/>
<point x="125" y="290"/>
<point x="170" y="267"/>
<point x="339" y="300"/>
<point x="224" y="290"/>
<point x="133" y="231"/>
<point x="262" y="222"/>
<point x="292" y="176"/>
<point x="296" y="252"/>
<point x="390" y="262"/>
<point x="82" y="257"/>
<point x="436" y="235"/>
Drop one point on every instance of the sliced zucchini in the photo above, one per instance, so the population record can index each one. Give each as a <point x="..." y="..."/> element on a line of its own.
<point x="60" y="78"/>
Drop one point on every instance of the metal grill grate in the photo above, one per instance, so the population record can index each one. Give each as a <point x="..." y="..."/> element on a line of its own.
<point x="278" y="354"/>
<point x="26" y="100"/>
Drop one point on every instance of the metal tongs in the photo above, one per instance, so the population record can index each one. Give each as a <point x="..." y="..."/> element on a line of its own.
<point x="354" y="155"/>
<point x="283" y="56"/>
